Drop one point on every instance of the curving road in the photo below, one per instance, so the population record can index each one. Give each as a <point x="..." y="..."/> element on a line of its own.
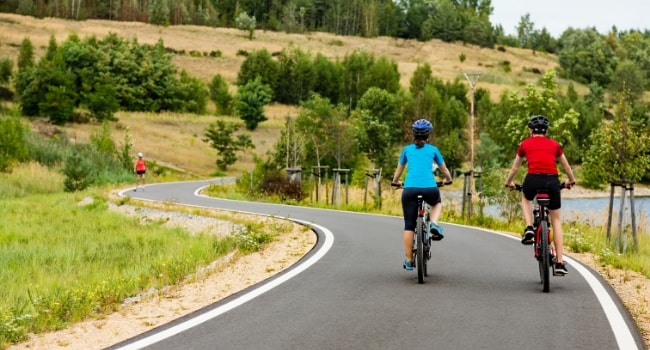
<point x="350" y="292"/>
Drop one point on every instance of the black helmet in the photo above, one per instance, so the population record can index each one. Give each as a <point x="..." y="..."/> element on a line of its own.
<point x="539" y="124"/>
<point x="422" y="128"/>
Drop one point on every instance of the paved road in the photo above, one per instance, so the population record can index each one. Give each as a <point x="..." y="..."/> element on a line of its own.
<point x="350" y="292"/>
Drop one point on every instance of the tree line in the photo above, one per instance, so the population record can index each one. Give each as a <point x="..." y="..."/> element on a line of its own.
<point x="353" y="114"/>
<point x="101" y="77"/>
<point x="449" y="20"/>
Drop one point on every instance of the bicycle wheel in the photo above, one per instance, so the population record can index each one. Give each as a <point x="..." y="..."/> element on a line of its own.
<point x="544" y="254"/>
<point x="419" y="260"/>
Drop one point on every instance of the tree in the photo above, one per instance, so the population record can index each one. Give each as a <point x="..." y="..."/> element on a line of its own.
<point x="220" y="95"/>
<point x="79" y="172"/>
<point x="250" y="102"/>
<point x="384" y="74"/>
<point x="356" y="78"/>
<point x="296" y="77"/>
<point x="245" y="22"/>
<point x="25" y="65"/>
<point x="377" y="119"/>
<point x="13" y="146"/>
<point x="544" y="102"/>
<point x="585" y="56"/>
<point x="619" y="151"/>
<point x="159" y="12"/>
<point x="6" y="68"/>
<point x="327" y="80"/>
<point x="259" y="63"/>
<point x="635" y="46"/>
<point x="26" y="7"/>
<point x="628" y="79"/>
<point x="525" y="31"/>
<point x="446" y="23"/>
<point x="328" y="136"/>
<point x="220" y="136"/>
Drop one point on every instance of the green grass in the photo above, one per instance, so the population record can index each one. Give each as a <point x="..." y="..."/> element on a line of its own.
<point x="26" y="179"/>
<point x="64" y="261"/>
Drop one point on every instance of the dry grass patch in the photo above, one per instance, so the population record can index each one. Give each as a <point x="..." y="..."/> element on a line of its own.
<point x="177" y="139"/>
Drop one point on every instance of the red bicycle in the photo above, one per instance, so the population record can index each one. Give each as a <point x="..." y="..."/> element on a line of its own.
<point x="544" y="251"/>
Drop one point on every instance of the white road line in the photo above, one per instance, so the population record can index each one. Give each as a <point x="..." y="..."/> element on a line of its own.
<point x="622" y="333"/>
<point x="199" y="319"/>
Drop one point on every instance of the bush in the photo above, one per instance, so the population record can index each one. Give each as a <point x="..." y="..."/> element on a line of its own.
<point x="78" y="173"/>
<point x="277" y="184"/>
<point x="220" y="95"/>
<point x="12" y="142"/>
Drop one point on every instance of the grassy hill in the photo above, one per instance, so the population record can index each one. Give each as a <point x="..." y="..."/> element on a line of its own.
<point x="176" y="139"/>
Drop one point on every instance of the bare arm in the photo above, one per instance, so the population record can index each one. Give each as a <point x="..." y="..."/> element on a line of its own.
<point x="513" y="171"/>
<point x="446" y="173"/>
<point x="398" y="173"/>
<point x="567" y="170"/>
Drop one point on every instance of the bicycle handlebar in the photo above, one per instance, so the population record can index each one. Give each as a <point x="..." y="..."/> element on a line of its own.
<point x="438" y="183"/>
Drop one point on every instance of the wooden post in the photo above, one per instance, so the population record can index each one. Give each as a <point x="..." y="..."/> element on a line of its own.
<point x="620" y="223"/>
<point x="610" y="208"/>
<point x="319" y="175"/>
<point x="371" y="173"/>
<point x="635" y="239"/>
<point x="337" y="173"/>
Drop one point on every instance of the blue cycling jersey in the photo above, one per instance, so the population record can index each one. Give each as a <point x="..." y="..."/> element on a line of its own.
<point x="420" y="165"/>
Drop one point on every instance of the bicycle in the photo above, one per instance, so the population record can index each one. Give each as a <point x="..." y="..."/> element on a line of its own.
<point x="421" y="236"/>
<point x="544" y="252"/>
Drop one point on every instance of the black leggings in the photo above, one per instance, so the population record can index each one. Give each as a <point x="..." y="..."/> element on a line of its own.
<point x="431" y="195"/>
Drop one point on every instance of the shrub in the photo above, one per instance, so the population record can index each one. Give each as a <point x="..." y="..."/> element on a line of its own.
<point x="220" y="95"/>
<point x="462" y="57"/>
<point x="506" y="66"/>
<point x="78" y="173"/>
<point x="277" y="184"/>
<point x="12" y="142"/>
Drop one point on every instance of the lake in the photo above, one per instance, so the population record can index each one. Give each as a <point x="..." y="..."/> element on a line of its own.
<point x="589" y="210"/>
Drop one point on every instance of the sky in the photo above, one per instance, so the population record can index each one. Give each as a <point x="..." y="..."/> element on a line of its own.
<point x="558" y="15"/>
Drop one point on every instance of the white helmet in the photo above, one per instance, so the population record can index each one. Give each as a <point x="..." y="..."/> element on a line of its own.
<point x="140" y="155"/>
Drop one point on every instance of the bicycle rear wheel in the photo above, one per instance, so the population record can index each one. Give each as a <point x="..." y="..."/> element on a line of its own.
<point x="544" y="257"/>
<point x="419" y="259"/>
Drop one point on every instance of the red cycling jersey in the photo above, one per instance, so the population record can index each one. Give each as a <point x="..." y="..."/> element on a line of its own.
<point x="541" y="153"/>
<point x="140" y="165"/>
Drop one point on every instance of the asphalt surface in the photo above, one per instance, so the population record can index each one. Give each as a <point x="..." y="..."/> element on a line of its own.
<point x="351" y="292"/>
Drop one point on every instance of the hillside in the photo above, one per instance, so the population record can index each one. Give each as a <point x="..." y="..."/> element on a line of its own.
<point x="182" y="134"/>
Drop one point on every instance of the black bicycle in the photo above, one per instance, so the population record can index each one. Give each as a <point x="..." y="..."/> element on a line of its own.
<point x="422" y="237"/>
<point x="543" y="249"/>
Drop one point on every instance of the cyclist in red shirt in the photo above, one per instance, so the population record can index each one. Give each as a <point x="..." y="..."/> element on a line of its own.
<point x="542" y="154"/>
<point x="139" y="168"/>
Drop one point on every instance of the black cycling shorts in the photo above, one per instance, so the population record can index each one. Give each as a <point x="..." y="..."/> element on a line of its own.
<point x="410" y="203"/>
<point x="550" y="182"/>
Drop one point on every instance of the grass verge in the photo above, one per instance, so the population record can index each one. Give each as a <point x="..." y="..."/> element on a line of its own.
<point x="66" y="258"/>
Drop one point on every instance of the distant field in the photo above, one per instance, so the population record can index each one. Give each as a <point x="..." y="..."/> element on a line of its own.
<point x="177" y="139"/>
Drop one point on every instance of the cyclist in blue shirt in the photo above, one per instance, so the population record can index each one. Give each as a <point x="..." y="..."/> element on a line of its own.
<point x="420" y="157"/>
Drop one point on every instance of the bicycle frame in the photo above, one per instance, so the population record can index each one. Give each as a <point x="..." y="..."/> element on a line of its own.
<point x="543" y="249"/>
<point x="421" y="244"/>
<point x="421" y="238"/>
